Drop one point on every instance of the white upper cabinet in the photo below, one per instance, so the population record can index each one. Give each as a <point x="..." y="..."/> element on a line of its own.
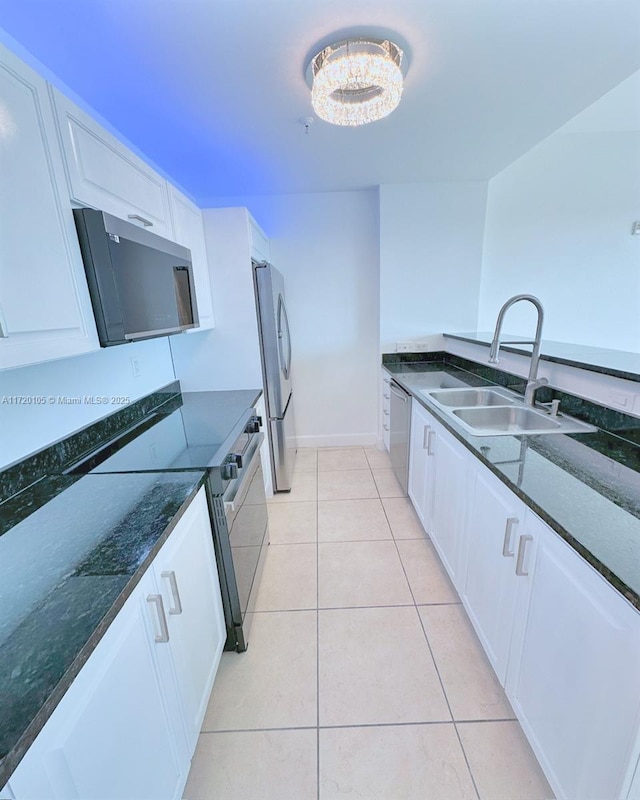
<point x="106" y="175"/>
<point x="260" y="247"/>
<point x="45" y="312"/>
<point x="189" y="231"/>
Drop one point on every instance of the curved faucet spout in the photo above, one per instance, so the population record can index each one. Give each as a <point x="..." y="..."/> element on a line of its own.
<point x="533" y="382"/>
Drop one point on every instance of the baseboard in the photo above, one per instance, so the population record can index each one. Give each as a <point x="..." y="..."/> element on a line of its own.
<point x="338" y="440"/>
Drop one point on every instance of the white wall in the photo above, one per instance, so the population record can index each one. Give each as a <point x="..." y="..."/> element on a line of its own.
<point x="326" y="246"/>
<point x="227" y="357"/>
<point x="559" y="226"/>
<point x="107" y="372"/>
<point x="430" y="259"/>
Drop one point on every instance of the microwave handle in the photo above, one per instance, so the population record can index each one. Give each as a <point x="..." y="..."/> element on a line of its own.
<point x="146" y="222"/>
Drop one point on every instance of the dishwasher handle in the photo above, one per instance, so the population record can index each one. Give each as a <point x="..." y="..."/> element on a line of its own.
<point x="399" y="393"/>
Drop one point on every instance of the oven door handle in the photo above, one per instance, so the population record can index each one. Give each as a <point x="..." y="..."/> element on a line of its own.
<point x="235" y="494"/>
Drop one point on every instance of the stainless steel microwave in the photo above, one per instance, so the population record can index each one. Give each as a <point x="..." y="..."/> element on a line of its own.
<point x="141" y="285"/>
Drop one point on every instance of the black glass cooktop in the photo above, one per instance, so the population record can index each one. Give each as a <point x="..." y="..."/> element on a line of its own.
<point x="197" y="435"/>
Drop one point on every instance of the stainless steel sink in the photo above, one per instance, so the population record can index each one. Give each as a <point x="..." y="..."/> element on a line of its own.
<point x="468" y="398"/>
<point x="515" y="419"/>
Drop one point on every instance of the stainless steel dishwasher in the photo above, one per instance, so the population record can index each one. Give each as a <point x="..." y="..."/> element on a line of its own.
<point x="399" y="430"/>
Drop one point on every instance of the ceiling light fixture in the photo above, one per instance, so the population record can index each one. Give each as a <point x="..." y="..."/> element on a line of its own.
<point x="356" y="81"/>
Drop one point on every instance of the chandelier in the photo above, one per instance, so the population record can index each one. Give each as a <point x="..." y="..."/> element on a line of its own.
<point x="356" y="81"/>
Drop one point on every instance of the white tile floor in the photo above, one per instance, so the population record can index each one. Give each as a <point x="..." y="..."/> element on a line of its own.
<point x="363" y="678"/>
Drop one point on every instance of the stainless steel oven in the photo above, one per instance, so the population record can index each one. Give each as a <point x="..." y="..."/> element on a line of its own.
<point x="241" y="535"/>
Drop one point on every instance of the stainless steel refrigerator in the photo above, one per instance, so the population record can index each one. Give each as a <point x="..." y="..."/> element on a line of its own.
<point x="275" y="349"/>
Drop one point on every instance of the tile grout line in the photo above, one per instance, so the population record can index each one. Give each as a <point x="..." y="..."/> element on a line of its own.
<point x="319" y="728"/>
<point x="349" y="608"/>
<point x="362" y="725"/>
<point x="455" y="727"/>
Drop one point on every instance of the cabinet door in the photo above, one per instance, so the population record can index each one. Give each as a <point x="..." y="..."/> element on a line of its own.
<point x="419" y="460"/>
<point x="189" y="231"/>
<point x="448" y="482"/>
<point x="45" y="308"/>
<point x="106" y="175"/>
<point x="494" y="519"/>
<point x="260" y="248"/>
<point x="111" y="736"/>
<point x="186" y="572"/>
<point x="573" y="672"/>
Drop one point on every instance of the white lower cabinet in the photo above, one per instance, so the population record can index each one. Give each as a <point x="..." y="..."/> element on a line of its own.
<point x="448" y="503"/>
<point x="438" y="467"/>
<point x="187" y="577"/>
<point x="126" y="728"/>
<point x="420" y="462"/>
<point x="574" y="670"/>
<point x="563" y="643"/>
<point x="112" y="735"/>
<point x="495" y="520"/>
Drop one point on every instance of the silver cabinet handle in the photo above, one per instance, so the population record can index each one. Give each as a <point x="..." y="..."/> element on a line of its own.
<point x="386" y="396"/>
<point x="425" y="437"/>
<point x="146" y="222"/>
<point x="508" y="530"/>
<point x="176" y="608"/>
<point x="156" y="599"/>
<point x="520" y="560"/>
<point x="385" y="411"/>
<point x="386" y="427"/>
<point x="430" y="441"/>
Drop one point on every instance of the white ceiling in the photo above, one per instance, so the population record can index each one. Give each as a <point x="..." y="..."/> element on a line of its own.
<point x="212" y="90"/>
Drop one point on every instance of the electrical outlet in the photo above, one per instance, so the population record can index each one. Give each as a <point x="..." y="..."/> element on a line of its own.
<point x="136" y="366"/>
<point x="405" y="347"/>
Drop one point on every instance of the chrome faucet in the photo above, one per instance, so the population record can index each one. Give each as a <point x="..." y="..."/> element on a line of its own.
<point x="533" y="382"/>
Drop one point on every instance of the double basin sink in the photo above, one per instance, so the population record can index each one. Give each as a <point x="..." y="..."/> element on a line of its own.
<point x="494" y="412"/>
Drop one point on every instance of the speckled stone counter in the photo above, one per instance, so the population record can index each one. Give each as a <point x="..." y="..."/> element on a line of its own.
<point x="585" y="486"/>
<point x="619" y="363"/>
<point x="83" y="519"/>
<point x="72" y="552"/>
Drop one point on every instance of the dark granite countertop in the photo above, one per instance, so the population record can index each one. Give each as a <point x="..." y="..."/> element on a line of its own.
<point x="618" y="363"/>
<point x="74" y="544"/>
<point x="77" y="549"/>
<point x="585" y="486"/>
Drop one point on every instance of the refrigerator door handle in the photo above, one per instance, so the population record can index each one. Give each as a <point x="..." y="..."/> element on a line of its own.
<point x="283" y="326"/>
